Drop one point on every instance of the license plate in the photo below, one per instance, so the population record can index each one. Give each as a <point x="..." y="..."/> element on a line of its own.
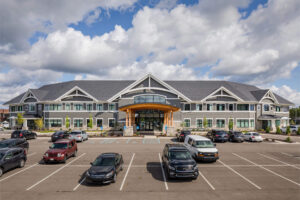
<point x="51" y="159"/>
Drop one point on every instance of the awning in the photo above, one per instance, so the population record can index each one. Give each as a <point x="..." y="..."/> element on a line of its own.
<point x="12" y="117"/>
<point x="268" y="117"/>
<point x="285" y="118"/>
<point x="154" y="106"/>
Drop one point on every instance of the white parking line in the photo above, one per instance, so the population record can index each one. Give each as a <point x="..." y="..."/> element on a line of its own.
<point x="19" y="172"/>
<point x="77" y="186"/>
<point x="290" y="155"/>
<point x="54" y="172"/>
<point x="287" y="164"/>
<point x="121" y="188"/>
<point x="163" y="172"/>
<point x="31" y="154"/>
<point x="267" y="169"/>
<point x="210" y="185"/>
<point x="240" y="175"/>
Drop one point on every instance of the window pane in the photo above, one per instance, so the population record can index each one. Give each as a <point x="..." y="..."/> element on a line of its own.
<point x="99" y="122"/>
<point x="111" y="122"/>
<point x="199" y="123"/>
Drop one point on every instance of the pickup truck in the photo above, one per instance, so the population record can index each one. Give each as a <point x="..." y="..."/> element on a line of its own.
<point x="60" y="151"/>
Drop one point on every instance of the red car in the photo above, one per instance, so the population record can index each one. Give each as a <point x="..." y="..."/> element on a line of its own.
<point x="60" y="151"/>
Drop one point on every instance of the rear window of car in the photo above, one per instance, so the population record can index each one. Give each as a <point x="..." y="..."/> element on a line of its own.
<point x="221" y="133"/>
<point x="4" y="144"/>
<point x="75" y="133"/>
<point x="58" y="133"/>
<point x="256" y="134"/>
<point x="238" y="133"/>
<point x="16" y="132"/>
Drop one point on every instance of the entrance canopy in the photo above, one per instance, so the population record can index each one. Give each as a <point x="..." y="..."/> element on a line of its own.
<point x="268" y="117"/>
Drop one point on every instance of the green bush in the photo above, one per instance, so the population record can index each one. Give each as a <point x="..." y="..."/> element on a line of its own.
<point x="288" y="130"/>
<point x="268" y="130"/>
<point x="278" y="131"/>
<point x="298" y="131"/>
<point x="288" y="139"/>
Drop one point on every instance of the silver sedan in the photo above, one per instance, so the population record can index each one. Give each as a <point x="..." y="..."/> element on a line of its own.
<point x="79" y="136"/>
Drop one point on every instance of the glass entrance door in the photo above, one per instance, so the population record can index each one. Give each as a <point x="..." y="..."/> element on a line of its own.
<point x="149" y="120"/>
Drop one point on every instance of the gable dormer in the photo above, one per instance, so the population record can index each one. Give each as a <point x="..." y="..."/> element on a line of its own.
<point x="222" y="94"/>
<point x="76" y="94"/>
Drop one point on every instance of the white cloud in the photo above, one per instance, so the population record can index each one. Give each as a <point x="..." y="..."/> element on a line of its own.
<point x="288" y="93"/>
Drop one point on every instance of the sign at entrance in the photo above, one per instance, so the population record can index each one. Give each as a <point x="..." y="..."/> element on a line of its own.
<point x="124" y="128"/>
<point x="137" y="127"/>
<point x="166" y="127"/>
<point x="101" y="128"/>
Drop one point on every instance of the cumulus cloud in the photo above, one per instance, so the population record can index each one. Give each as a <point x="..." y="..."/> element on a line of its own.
<point x="288" y="93"/>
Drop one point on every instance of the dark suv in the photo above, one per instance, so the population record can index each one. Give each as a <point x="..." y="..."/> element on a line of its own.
<point x="11" y="158"/>
<point x="15" y="142"/>
<point x="105" y="168"/>
<point x="59" y="135"/>
<point x="182" y="135"/>
<point x="178" y="162"/>
<point x="24" y="134"/>
<point x="217" y="136"/>
<point x="236" y="136"/>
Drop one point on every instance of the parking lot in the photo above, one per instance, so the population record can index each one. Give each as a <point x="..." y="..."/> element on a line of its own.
<point x="245" y="170"/>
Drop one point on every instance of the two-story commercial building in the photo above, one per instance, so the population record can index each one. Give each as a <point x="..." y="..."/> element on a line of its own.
<point x="150" y="105"/>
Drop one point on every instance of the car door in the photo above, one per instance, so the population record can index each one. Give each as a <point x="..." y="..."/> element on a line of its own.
<point x="117" y="163"/>
<point x="8" y="161"/>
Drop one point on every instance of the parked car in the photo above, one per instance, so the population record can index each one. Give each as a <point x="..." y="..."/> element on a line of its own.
<point x="235" y="136"/>
<point x="24" y="134"/>
<point x="293" y="129"/>
<point x="15" y="142"/>
<point x="1" y="129"/>
<point x="105" y="168"/>
<point x="217" y="135"/>
<point x="201" y="148"/>
<point x="59" y="135"/>
<point x="178" y="162"/>
<point x="60" y="151"/>
<point x="181" y="136"/>
<point x="79" y="136"/>
<point x="253" y="137"/>
<point x="11" y="158"/>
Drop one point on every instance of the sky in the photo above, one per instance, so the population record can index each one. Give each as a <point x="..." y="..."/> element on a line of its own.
<point x="248" y="41"/>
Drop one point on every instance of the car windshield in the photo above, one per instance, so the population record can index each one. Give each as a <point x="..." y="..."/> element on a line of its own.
<point x="1" y="155"/>
<point x="180" y="155"/>
<point x="4" y="144"/>
<point x="75" y="133"/>
<point x="256" y="134"/>
<point x="59" y="146"/>
<point x="204" y="144"/>
<point x="104" y="161"/>
<point x="221" y="133"/>
<point x="58" y="133"/>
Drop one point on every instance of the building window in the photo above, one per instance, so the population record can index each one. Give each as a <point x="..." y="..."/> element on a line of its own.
<point x="251" y="123"/>
<point x="186" y="107"/>
<point x="54" y="107"/>
<point x="199" y="123"/>
<point x="243" y="107"/>
<point x="99" y="106"/>
<point x="198" y="106"/>
<point x="78" y="123"/>
<point x="89" y="107"/>
<point x="78" y="107"/>
<point x="209" y="123"/>
<point x="20" y="108"/>
<point x="252" y="107"/>
<point x="277" y="122"/>
<point x="99" y="123"/>
<point x="221" y="123"/>
<point x="258" y="107"/>
<point x="68" y="107"/>
<point x="55" y="122"/>
<point x="230" y="107"/>
<point x="112" y="106"/>
<point x="209" y="107"/>
<point x="12" y="109"/>
<point x="111" y="123"/>
<point x="31" y="107"/>
<point x="46" y="107"/>
<point x="277" y="108"/>
<point x="242" y="123"/>
<point x="187" y="122"/>
<point x="266" y="107"/>
<point x="149" y="99"/>
<point x="220" y="107"/>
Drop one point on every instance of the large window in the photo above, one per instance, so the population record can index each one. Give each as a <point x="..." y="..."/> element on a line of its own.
<point x="230" y="107"/>
<point x="99" y="106"/>
<point x="187" y="122"/>
<point x="277" y="108"/>
<point x="220" y="123"/>
<point x="252" y="107"/>
<point x="209" y="107"/>
<point x="198" y="106"/>
<point x="89" y="106"/>
<point x="149" y="99"/>
<point x="12" y="109"/>
<point x="54" y="107"/>
<point x="243" y="107"/>
<point x="67" y="106"/>
<point x="266" y="107"/>
<point x="209" y="123"/>
<point x="199" y="123"/>
<point x="242" y="123"/>
<point x="112" y="106"/>
<point x="252" y="123"/>
<point x="187" y="107"/>
<point x="78" y="107"/>
<point x="20" y="108"/>
<point x="111" y="123"/>
<point x="55" y="122"/>
<point x="277" y="122"/>
<point x="220" y="107"/>
<point x="99" y="123"/>
<point x="31" y="107"/>
<point x="78" y="123"/>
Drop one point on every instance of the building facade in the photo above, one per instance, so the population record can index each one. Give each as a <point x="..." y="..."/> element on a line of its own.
<point x="150" y="105"/>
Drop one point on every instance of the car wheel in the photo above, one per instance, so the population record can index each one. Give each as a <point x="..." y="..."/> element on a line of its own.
<point x="121" y="168"/>
<point x="114" y="178"/>
<point x="1" y="171"/>
<point x="81" y="140"/>
<point x="22" y="163"/>
<point x="75" y="153"/>
<point x="35" y="136"/>
<point x="250" y="139"/>
<point x="65" y="159"/>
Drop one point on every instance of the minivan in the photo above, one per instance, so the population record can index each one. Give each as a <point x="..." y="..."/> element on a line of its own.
<point x="201" y="148"/>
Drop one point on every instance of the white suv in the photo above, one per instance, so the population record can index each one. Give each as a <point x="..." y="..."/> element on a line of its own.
<point x="253" y="137"/>
<point x="293" y="129"/>
<point x="201" y="148"/>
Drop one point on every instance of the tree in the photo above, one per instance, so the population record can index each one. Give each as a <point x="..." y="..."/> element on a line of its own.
<point x="90" y="124"/>
<point x="278" y="131"/>
<point x="298" y="131"/>
<point x="39" y="123"/>
<point x="288" y="130"/>
<point x="205" y="122"/>
<point x="67" y="122"/>
<point x="20" y="119"/>
<point x="230" y="124"/>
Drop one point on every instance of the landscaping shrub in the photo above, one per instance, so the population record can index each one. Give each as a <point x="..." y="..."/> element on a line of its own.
<point x="298" y="131"/>
<point x="278" y="131"/>
<point x="288" y="130"/>
<point x="268" y="130"/>
<point x="288" y="139"/>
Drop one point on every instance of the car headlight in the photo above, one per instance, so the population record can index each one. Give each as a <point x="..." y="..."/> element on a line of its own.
<point x="195" y="167"/>
<point x="46" y="154"/>
<point x="200" y="154"/>
<point x="110" y="174"/>
<point x="60" y="155"/>
<point x="171" y="167"/>
<point x="216" y="154"/>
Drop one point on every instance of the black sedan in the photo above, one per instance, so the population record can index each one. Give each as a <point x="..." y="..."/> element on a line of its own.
<point x="24" y="134"/>
<point x="11" y="158"/>
<point x="235" y="136"/>
<point x="217" y="136"/>
<point x="105" y="168"/>
<point x="59" y="135"/>
<point x="14" y="142"/>
<point x="182" y="135"/>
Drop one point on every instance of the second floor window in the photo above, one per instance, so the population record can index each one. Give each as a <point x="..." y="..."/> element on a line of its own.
<point x="220" y="107"/>
<point x="31" y="107"/>
<point x="111" y="106"/>
<point x="243" y="107"/>
<point x="199" y="107"/>
<point x="209" y="107"/>
<point x="89" y="106"/>
<point x="20" y="108"/>
<point x="277" y="108"/>
<point x="266" y="107"/>
<point x="55" y="107"/>
<point x="99" y="107"/>
<point x="78" y="107"/>
<point x="186" y="106"/>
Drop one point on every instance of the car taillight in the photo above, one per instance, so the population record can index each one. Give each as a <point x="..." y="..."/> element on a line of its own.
<point x="78" y="136"/>
<point x="217" y="136"/>
<point x="253" y="137"/>
<point x="181" y="134"/>
<point x="21" y="134"/>
<point x="25" y="152"/>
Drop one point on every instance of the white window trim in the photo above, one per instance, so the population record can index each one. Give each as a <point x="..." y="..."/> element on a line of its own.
<point x="201" y="107"/>
<point x="212" y="122"/>
<point x="110" y="109"/>
<point x="244" y="119"/>
<point x="197" y="124"/>
<point x="189" y="109"/>
<point x="221" y="119"/>
<point x="97" y="106"/>
<point x="55" y="119"/>
<point x="188" y="119"/>
<point x="77" y="119"/>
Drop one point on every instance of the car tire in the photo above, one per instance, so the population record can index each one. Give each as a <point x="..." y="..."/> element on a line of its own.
<point x="35" y="136"/>
<point x="65" y="159"/>
<point x="1" y="171"/>
<point x="121" y="168"/>
<point x="114" y="178"/>
<point x="250" y="140"/>
<point x="75" y="154"/>
<point x="22" y="163"/>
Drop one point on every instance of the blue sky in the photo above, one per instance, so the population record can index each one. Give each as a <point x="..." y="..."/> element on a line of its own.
<point x="248" y="41"/>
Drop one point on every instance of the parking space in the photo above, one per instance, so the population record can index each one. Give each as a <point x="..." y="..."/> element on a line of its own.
<point x="249" y="168"/>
